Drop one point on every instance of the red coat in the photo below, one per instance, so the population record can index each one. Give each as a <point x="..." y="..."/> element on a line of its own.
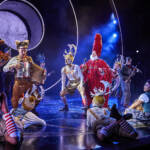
<point x="95" y="71"/>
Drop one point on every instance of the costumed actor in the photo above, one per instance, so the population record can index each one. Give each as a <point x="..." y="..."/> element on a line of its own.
<point x="107" y="125"/>
<point x="21" y="64"/>
<point x="95" y="70"/>
<point x="74" y="75"/>
<point x="140" y="109"/>
<point x="8" y="130"/>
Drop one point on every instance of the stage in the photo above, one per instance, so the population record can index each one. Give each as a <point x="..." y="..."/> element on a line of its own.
<point x="67" y="130"/>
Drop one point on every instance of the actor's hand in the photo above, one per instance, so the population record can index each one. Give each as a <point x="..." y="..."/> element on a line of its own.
<point x="3" y="100"/>
<point x="63" y="93"/>
<point x="17" y="66"/>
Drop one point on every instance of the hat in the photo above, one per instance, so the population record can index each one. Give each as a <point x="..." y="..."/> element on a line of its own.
<point x="97" y="45"/>
<point x="24" y="43"/>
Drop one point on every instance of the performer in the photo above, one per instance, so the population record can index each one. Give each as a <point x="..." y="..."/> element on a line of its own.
<point x="1" y="64"/>
<point x="126" y="74"/>
<point x="101" y="121"/>
<point x="8" y="129"/>
<point x="95" y="70"/>
<point x="21" y="64"/>
<point x="116" y="88"/>
<point x="116" y="76"/>
<point x="23" y="115"/>
<point x="98" y="115"/>
<point x="75" y="78"/>
<point x="41" y="59"/>
<point x="141" y="107"/>
<point x="6" y="79"/>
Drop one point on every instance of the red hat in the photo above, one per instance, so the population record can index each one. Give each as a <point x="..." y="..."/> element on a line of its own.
<point x="97" y="45"/>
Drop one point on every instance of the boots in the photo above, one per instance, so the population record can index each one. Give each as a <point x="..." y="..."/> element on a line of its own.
<point x="127" y="116"/>
<point x="85" y="108"/>
<point x="126" y="130"/>
<point x="114" y="113"/>
<point x="65" y="108"/>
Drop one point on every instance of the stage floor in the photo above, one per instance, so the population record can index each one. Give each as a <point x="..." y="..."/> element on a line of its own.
<point x="67" y="130"/>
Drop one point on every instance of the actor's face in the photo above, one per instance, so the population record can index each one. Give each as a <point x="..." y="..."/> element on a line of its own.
<point x="42" y="64"/>
<point x="129" y="62"/>
<point x="116" y="66"/>
<point x="22" y="51"/>
<point x="146" y="87"/>
<point x="68" y="61"/>
<point x="94" y="54"/>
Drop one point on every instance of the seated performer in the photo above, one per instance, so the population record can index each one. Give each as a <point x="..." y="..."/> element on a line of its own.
<point x="8" y="130"/>
<point x="105" y="127"/>
<point x="75" y="78"/>
<point x="98" y="115"/>
<point x="23" y="115"/>
<point x="95" y="70"/>
<point x="140" y="109"/>
<point x="21" y="64"/>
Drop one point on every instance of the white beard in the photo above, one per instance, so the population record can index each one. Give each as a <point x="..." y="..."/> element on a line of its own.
<point x="93" y="58"/>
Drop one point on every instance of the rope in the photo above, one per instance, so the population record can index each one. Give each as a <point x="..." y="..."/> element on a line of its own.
<point x="77" y="41"/>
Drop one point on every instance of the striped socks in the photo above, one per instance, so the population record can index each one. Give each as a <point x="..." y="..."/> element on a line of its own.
<point x="10" y="125"/>
<point x="126" y="129"/>
<point x="109" y="130"/>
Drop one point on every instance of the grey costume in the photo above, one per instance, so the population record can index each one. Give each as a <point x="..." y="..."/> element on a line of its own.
<point x="125" y="73"/>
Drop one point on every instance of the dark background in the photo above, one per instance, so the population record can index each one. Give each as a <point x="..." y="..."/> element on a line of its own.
<point x="92" y="15"/>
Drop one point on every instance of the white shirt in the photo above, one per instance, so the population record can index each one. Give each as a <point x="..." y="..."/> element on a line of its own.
<point x="72" y="73"/>
<point x="144" y="98"/>
<point x="102" y="113"/>
<point x="23" y="71"/>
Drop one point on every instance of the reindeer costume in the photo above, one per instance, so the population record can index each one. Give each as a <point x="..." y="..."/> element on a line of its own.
<point x="21" y="65"/>
<point x="74" y="75"/>
<point x="23" y="115"/>
<point x="99" y="119"/>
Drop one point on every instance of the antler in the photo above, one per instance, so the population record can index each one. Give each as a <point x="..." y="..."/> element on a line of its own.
<point x="106" y="85"/>
<point x="71" y="48"/>
<point x="98" y="92"/>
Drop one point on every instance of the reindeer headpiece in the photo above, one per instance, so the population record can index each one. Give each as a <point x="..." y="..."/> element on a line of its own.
<point x="24" y="43"/>
<point x="98" y="95"/>
<point x="70" y="54"/>
<point x="31" y="97"/>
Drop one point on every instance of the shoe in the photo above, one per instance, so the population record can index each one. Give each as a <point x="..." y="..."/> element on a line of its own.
<point x="65" y="108"/>
<point x="114" y="113"/>
<point x="127" y="116"/>
<point x="85" y="108"/>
